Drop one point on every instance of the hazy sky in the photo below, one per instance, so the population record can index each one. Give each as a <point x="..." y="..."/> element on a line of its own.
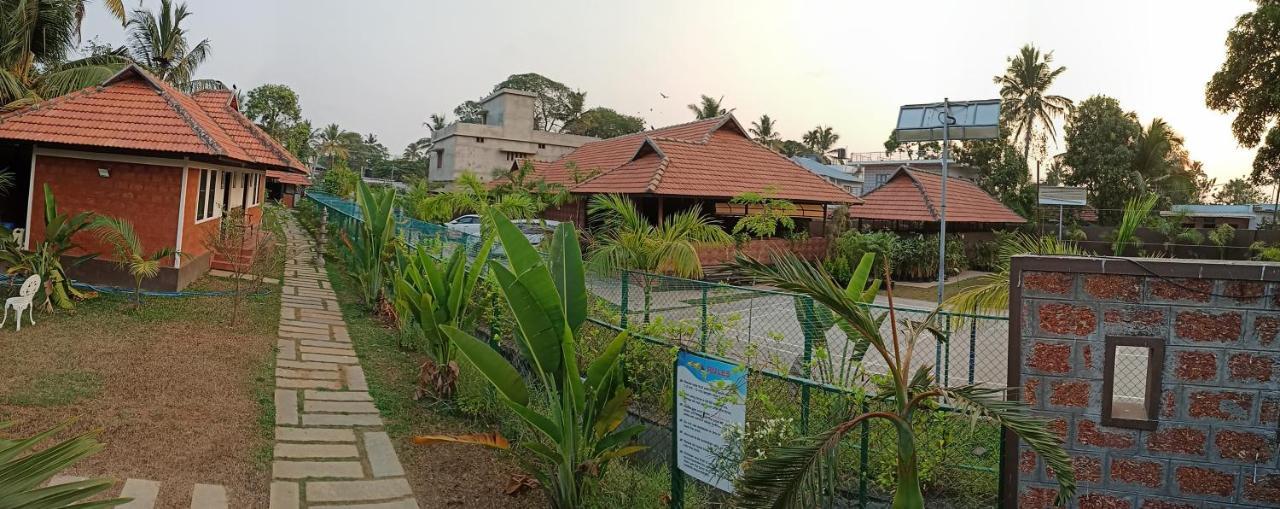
<point x="383" y="66"/>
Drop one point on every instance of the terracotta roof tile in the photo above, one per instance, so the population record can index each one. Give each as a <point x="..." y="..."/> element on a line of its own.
<point x="915" y="196"/>
<point x="134" y="110"/>
<point x="288" y="177"/>
<point x="220" y="105"/>
<point x="710" y="158"/>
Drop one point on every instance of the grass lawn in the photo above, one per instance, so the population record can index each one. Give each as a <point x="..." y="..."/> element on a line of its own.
<point x="931" y="294"/>
<point x="180" y="396"/>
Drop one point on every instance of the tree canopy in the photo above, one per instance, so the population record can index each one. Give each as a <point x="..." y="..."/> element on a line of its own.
<point x="1238" y="191"/>
<point x="556" y="104"/>
<point x="1248" y="83"/>
<point x="1100" y="138"/>
<point x="604" y="122"/>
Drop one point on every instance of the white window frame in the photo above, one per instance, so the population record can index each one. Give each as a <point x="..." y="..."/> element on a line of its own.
<point x="213" y="196"/>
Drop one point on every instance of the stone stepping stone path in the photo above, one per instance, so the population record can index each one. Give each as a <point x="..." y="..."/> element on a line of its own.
<point x="144" y="493"/>
<point x="330" y="447"/>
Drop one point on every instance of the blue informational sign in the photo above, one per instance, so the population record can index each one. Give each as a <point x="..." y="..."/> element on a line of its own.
<point x="711" y="397"/>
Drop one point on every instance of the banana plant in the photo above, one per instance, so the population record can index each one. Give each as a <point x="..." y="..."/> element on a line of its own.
<point x="431" y="294"/>
<point x="798" y="474"/>
<point x="371" y="243"/>
<point x="577" y="420"/>
<point x="21" y="475"/>
<point x="842" y="369"/>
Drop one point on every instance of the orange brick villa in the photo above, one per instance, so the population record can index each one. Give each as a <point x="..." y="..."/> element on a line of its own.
<point x="136" y="148"/>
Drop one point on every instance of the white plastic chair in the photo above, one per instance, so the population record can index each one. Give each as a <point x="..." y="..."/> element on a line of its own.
<point x="22" y="302"/>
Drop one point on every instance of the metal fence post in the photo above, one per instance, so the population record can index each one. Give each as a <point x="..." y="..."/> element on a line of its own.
<point x="810" y="332"/>
<point x="946" y="354"/>
<point x="704" y="318"/>
<point x="623" y="304"/>
<point x="864" y="457"/>
<point x="677" y="477"/>
<point x="973" y="343"/>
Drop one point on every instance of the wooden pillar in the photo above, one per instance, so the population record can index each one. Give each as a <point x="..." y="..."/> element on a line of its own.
<point x="824" y="220"/>
<point x="661" y="215"/>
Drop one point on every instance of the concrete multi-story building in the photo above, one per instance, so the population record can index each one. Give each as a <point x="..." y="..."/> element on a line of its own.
<point x="878" y="167"/>
<point x="506" y="134"/>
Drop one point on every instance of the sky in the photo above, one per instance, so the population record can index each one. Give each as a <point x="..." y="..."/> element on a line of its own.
<point x="383" y="66"/>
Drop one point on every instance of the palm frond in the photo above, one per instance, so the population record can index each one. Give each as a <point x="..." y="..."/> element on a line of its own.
<point x="986" y="402"/>
<point x="796" y="475"/>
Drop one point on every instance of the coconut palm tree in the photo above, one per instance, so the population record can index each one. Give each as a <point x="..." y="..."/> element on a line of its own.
<point x="1024" y="88"/>
<point x="435" y="123"/>
<point x="334" y="144"/>
<point x="627" y="241"/>
<point x="159" y="43"/>
<point x="821" y="140"/>
<point x="765" y="132"/>
<point x="128" y="252"/>
<point x="708" y="107"/>
<point x="800" y="473"/>
<point x="37" y="38"/>
<point x="417" y="150"/>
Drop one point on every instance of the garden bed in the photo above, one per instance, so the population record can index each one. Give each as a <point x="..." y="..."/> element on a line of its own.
<point x="442" y="475"/>
<point x="180" y="396"/>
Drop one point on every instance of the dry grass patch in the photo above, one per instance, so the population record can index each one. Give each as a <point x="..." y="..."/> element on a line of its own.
<point x="179" y="396"/>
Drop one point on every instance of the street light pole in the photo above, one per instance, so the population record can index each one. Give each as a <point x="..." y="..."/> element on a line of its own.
<point x="942" y="219"/>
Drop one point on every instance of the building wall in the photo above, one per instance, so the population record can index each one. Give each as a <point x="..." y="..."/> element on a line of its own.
<point x="873" y="173"/>
<point x="145" y="195"/>
<point x="509" y="128"/>
<point x="195" y="234"/>
<point x="1213" y="443"/>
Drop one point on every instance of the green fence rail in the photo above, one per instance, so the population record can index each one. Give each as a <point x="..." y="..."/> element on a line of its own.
<point x="799" y="379"/>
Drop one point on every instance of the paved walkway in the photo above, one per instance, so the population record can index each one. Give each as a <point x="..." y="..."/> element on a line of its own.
<point x="330" y="448"/>
<point x="144" y="493"/>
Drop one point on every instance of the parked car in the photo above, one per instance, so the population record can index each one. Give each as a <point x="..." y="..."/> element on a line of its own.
<point x="470" y="224"/>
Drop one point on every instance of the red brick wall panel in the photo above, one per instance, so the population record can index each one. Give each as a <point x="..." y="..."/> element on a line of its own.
<point x="1135" y="320"/>
<point x="1265" y="327"/>
<point x="1103" y="501"/>
<point x="1243" y="292"/>
<point x="1037" y="498"/>
<point x="1251" y="368"/>
<point x="1195" y="365"/>
<point x="1244" y="446"/>
<point x="1152" y="503"/>
<point x="1219" y="405"/>
<point x="145" y="195"/>
<point x="1051" y="357"/>
<point x="1265" y="490"/>
<point x="1067" y="319"/>
<point x="1112" y="287"/>
<point x="1140" y="472"/>
<point x="1208" y="326"/>
<point x="1093" y="434"/>
<point x="1178" y="440"/>
<point x="1199" y="480"/>
<point x="1181" y="290"/>
<point x="1070" y="393"/>
<point x="1047" y="283"/>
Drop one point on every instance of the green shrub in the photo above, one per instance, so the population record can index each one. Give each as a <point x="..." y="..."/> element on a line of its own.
<point x="850" y="247"/>
<point x="916" y="257"/>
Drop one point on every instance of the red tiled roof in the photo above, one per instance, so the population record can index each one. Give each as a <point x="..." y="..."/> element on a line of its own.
<point x="220" y="105"/>
<point x="709" y="158"/>
<point x="915" y="196"/>
<point x="288" y="177"/>
<point x="133" y="110"/>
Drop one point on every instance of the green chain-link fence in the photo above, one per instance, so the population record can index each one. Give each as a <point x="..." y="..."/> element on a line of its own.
<point x="800" y="381"/>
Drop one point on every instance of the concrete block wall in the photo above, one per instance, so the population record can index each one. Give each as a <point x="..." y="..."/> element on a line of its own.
<point x="1214" y="445"/>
